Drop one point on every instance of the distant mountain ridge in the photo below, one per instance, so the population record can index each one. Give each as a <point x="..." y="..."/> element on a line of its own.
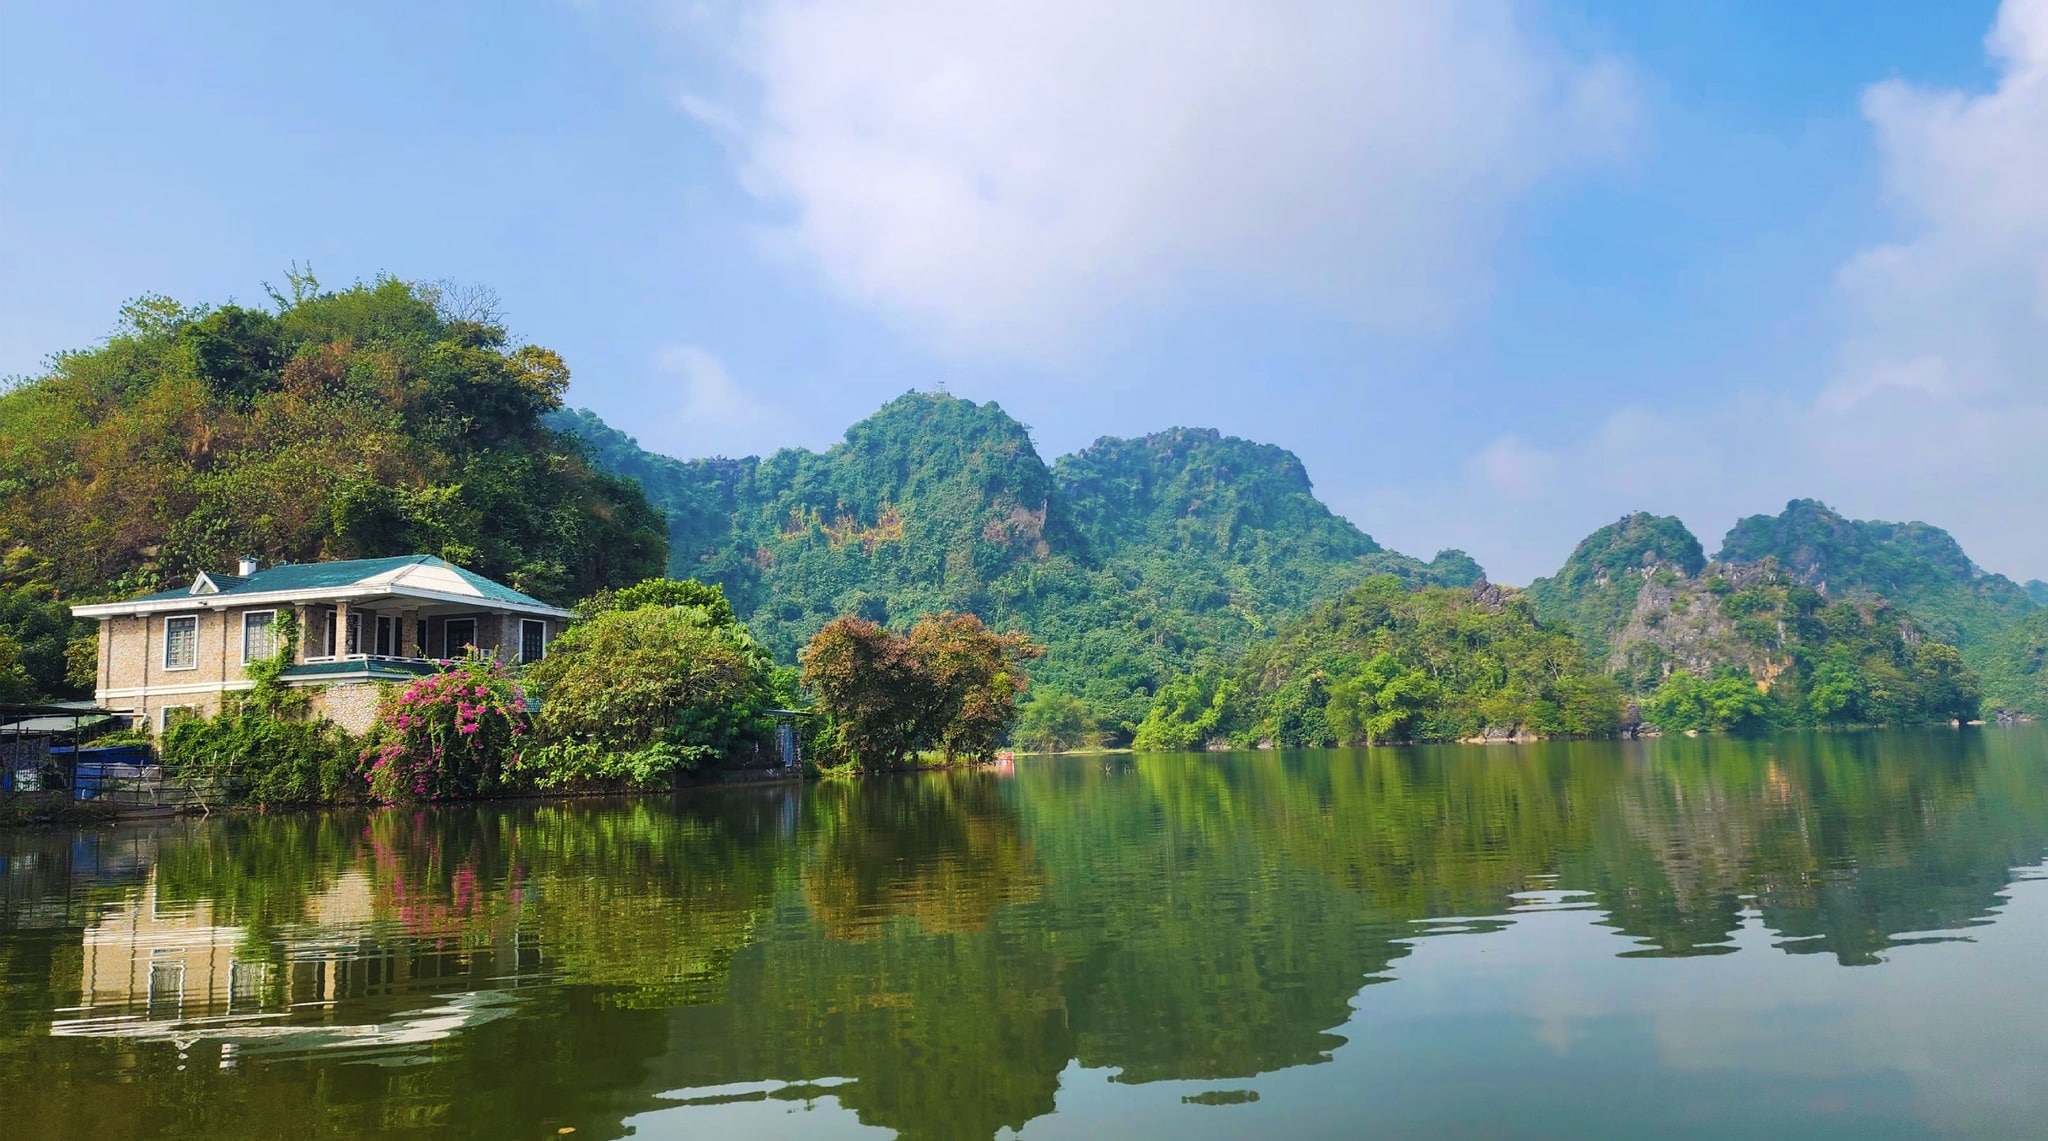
<point x="1640" y="592"/>
<point x="1916" y="565"/>
<point x="1133" y="559"/>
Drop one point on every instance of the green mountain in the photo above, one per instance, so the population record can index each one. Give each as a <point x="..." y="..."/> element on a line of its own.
<point x="1913" y="565"/>
<point x="1594" y="592"/>
<point x="1132" y="559"/>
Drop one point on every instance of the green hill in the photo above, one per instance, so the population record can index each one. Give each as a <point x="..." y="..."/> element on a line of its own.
<point x="369" y="421"/>
<point x="1132" y="560"/>
<point x="1913" y="565"/>
<point x="1593" y="593"/>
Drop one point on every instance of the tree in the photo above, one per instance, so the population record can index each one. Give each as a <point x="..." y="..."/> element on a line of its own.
<point x="1383" y="702"/>
<point x="636" y="695"/>
<point x="874" y="689"/>
<point x="951" y="685"/>
<point x="1729" y="701"/>
<point x="1949" y="691"/>
<point x="1055" y="721"/>
<point x="1186" y="713"/>
<point x="977" y="674"/>
<point x="710" y="598"/>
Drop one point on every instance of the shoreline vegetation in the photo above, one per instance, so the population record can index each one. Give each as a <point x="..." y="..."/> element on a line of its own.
<point x="927" y="592"/>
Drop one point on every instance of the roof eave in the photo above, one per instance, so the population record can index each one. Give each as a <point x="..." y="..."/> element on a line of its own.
<point x="228" y="599"/>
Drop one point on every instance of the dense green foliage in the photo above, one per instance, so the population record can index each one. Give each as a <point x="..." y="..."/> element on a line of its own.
<point x="949" y="687"/>
<point x="264" y="747"/>
<point x="1055" y="721"/>
<point x="1386" y="663"/>
<point x="634" y="696"/>
<point x="1132" y="561"/>
<point x="374" y="420"/>
<point x="40" y="644"/>
<point x="2015" y="666"/>
<point x="1592" y="594"/>
<point x="1819" y="662"/>
<point x="1915" y="566"/>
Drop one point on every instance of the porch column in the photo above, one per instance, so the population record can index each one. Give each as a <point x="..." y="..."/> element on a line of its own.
<point x="303" y="615"/>
<point x="409" y="634"/>
<point x="341" y="614"/>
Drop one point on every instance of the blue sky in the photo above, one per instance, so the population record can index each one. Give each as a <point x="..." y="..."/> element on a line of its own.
<point x="1497" y="272"/>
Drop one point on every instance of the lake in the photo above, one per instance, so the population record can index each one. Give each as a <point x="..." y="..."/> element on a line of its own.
<point x="1840" y="935"/>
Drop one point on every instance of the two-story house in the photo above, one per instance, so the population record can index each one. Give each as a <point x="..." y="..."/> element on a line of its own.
<point x="361" y="622"/>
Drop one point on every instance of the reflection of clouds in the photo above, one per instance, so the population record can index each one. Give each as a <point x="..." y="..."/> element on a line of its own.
<point x="271" y="1036"/>
<point x="1953" y="1025"/>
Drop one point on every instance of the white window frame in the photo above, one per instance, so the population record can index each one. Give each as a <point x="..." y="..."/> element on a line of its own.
<point x="168" y="619"/>
<point x="163" y="715"/>
<point x="248" y="614"/>
<point x="449" y="648"/>
<point x="523" y="624"/>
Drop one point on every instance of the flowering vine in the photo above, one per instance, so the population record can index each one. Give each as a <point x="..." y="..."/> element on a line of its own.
<point x="450" y="735"/>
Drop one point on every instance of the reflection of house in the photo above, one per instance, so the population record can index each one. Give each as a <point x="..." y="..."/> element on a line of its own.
<point x="156" y="970"/>
<point x="361" y="622"/>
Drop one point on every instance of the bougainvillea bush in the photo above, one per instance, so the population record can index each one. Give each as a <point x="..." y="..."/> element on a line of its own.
<point x="456" y="734"/>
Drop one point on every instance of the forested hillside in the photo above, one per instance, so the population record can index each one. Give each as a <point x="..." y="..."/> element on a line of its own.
<point x="373" y="420"/>
<point x="1132" y="560"/>
<point x="1385" y="662"/>
<point x="1913" y="565"/>
<point x="1807" y="627"/>
<point x="1596" y="589"/>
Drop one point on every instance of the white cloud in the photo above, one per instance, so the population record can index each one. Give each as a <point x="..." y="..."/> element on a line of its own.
<point x="1003" y="174"/>
<point x="1938" y="409"/>
<point x="703" y="410"/>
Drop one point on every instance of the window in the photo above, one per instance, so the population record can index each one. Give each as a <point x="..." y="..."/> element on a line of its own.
<point x="170" y="716"/>
<point x="384" y="628"/>
<point x="327" y="642"/>
<point x="181" y="642"/>
<point x="355" y="633"/>
<point x="533" y="640"/>
<point x="457" y="636"/>
<point x="259" y="635"/>
<point x="419" y="641"/>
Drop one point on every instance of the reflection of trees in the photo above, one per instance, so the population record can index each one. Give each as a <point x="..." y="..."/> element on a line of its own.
<point x="942" y="851"/>
<point x="1844" y="842"/>
<point x="912" y="972"/>
<point x="950" y="942"/>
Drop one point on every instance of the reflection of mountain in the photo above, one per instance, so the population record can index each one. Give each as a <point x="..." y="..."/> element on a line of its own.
<point x="937" y="950"/>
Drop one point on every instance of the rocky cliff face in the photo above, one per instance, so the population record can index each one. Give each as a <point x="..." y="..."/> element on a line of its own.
<point x="1679" y="623"/>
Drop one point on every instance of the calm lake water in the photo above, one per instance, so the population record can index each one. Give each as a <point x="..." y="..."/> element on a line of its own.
<point x="1810" y="936"/>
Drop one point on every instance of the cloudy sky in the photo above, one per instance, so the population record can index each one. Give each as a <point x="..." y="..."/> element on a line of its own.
<point x="1498" y="272"/>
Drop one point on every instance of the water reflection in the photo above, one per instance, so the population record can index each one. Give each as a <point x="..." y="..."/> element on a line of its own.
<point x="936" y="955"/>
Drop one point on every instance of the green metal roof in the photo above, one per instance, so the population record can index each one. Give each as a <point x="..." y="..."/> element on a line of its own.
<point x="334" y="575"/>
<point x="370" y="668"/>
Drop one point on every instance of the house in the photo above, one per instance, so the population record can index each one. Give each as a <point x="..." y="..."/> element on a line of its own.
<point x="361" y="622"/>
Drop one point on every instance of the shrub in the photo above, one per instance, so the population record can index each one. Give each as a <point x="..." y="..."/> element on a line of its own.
<point x="264" y="747"/>
<point x="633" y="696"/>
<point x="456" y="734"/>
